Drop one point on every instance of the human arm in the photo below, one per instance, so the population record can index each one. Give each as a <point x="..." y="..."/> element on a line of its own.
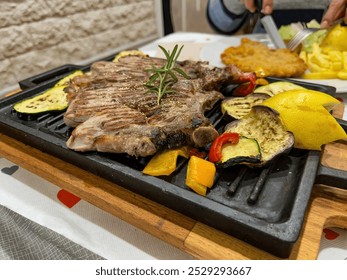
<point x="337" y="10"/>
<point x="251" y="5"/>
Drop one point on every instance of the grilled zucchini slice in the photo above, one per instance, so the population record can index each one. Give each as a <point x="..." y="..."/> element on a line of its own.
<point x="65" y="81"/>
<point x="277" y="87"/>
<point x="247" y="150"/>
<point x="53" y="99"/>
<point x="127" y="53"/>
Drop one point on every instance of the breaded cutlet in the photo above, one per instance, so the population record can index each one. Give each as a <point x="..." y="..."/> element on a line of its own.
<point x="252" y="56"/>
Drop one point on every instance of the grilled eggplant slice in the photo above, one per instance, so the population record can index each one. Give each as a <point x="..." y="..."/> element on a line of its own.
<point x="53" y="99"/>
<point x="264" y="125"/>
<point x="276" y="88"/>
<point x="247" y="150"/>
<point x="238" y="107"/>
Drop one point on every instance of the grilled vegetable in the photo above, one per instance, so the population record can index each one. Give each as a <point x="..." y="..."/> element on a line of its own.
<point x="65" y="81"/>
<point x="215" y="153"/>
<point x="264" y="125"/>
<point x="238" y="107"/>
<point x="164" y="163"/>
<point x="200" y="175"/>
<point x="53" y="99"/>
<point x="129" y="52"/>
<point x="277" y="87"/>
<point x="247" y="150"/>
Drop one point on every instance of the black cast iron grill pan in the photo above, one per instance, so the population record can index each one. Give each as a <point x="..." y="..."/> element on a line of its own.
<point x="264" y="207"/>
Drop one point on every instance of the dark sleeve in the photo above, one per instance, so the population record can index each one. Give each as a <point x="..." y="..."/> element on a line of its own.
<point x="225" y="16"/>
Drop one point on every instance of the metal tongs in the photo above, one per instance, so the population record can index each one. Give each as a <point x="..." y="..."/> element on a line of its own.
<point x="270" y="27"/>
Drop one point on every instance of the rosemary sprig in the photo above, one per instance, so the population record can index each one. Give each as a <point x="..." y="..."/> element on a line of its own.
<point x="162" y="79"/>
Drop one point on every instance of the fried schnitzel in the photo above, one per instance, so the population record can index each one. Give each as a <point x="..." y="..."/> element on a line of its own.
<point x="252" y="56"/>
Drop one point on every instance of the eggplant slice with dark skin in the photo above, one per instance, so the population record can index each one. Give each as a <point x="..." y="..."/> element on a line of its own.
<point x="264" y="126"/>
<point x="238" y="107"/>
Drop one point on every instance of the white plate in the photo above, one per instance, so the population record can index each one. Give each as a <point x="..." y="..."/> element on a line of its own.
<point x="340" y="85"/>
<point x="211" y="53"/>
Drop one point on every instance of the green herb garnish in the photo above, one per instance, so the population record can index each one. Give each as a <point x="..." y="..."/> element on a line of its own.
<point x="162" y="79"/>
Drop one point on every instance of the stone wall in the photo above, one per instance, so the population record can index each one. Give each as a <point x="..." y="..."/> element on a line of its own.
<point x="38" y="35"/>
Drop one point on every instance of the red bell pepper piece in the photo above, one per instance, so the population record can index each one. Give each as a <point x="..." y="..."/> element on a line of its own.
<point x="215" y="153"/>
<point x="248" y="81"/>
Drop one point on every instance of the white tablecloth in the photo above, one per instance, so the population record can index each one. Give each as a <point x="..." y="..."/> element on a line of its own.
<point x="102" y="233"/>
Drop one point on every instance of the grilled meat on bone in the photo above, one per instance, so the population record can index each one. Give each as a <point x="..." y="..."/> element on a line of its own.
<point x="112" y="112"/>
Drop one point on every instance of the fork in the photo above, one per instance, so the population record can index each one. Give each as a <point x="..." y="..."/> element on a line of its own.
<point x="300" y="36"/>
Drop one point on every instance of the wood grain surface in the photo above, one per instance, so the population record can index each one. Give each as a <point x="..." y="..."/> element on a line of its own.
<point x="327" y="207"/>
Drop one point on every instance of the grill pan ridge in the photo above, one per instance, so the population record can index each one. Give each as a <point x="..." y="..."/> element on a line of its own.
<point x="264" y="207"/>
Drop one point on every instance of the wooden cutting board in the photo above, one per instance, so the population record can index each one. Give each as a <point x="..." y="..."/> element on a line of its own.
<point x="327" y="207"/>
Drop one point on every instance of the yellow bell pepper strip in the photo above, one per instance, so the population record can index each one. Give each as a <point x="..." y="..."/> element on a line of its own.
<point x="164" y="163"/>
<point x="200" y="175"/>
<point x="215" y="153"/>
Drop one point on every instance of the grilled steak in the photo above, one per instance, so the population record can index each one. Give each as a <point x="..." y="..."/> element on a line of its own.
<point x="112" y="112"/>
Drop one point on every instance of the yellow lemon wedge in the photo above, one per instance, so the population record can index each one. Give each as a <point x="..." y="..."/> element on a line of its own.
<point x="306" y="114"/>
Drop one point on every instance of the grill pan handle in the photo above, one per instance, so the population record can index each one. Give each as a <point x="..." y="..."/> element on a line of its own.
<point x="49" y="75"/>
<point x="331" y="176"/>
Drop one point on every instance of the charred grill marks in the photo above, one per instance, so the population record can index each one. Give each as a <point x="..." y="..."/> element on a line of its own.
<point x="113" y="113"/>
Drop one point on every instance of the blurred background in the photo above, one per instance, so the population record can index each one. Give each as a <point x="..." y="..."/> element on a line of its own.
<point x="190" y="16"/>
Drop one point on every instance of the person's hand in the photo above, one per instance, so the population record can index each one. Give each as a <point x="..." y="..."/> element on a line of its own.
<point x="252" y="6"/>
<point x="337" y="10"/>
